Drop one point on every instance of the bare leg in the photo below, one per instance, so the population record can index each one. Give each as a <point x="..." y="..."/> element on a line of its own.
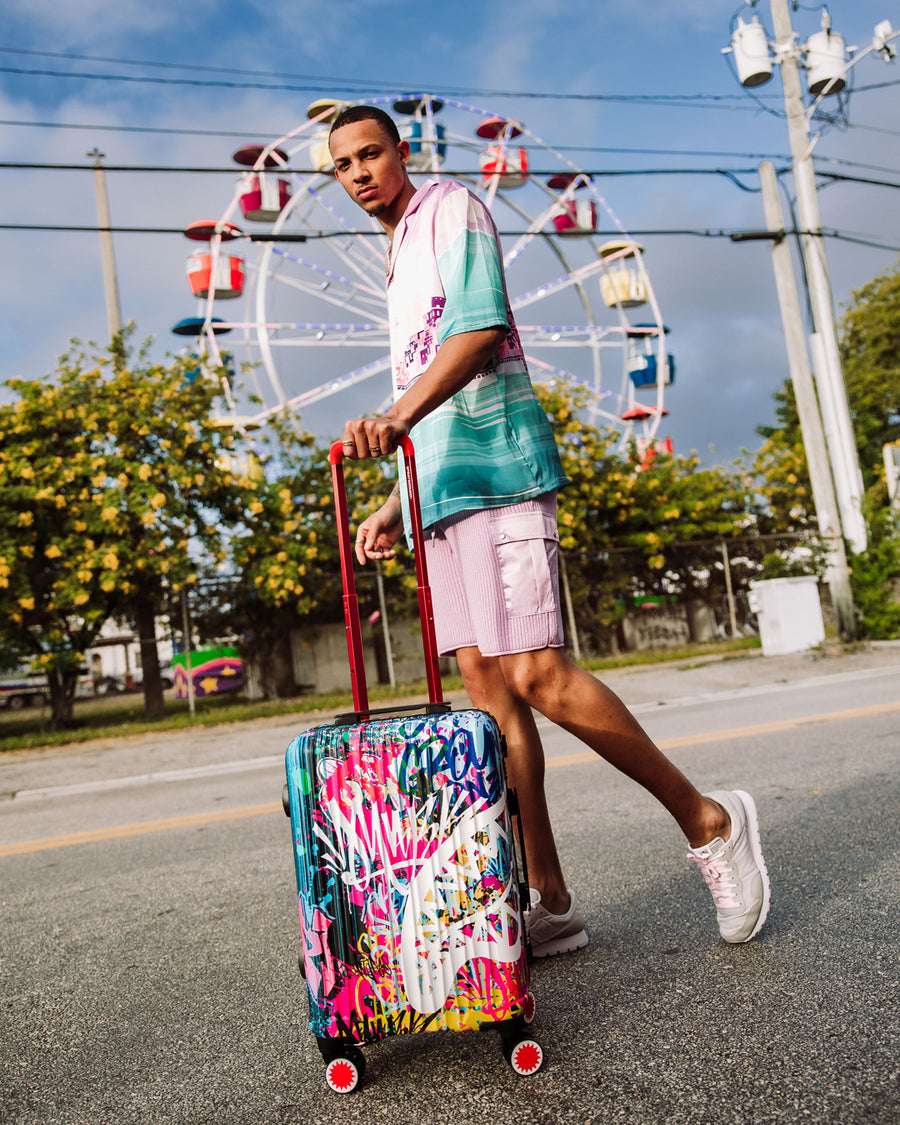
<point x="575" y="700"/>
<point x="488" y="690"/>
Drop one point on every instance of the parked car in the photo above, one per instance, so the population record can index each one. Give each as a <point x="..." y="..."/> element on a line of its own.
<point x="30" y="689"/>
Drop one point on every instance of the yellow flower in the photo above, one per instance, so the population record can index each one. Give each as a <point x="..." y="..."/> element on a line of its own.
<point x="81" y="598"/>
<point x="158" y="500"/>
<point x="144" y="472"/>
<point x="53" y="552"/>
<point x="108" y="585"/>
<point x="108" y="514"/>
<point x="148" y="518"/>
<point x="111" y="561"/>
<point x="26" y="519"/>
<point x="256" y="507"/>
<point x="26" y="603"/>
<point x="80" y="525"/>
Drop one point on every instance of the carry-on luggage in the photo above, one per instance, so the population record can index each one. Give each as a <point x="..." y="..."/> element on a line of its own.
<point x="410" y="903"/>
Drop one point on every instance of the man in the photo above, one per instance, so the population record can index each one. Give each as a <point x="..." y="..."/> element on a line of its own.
<point x="488" y="472"/>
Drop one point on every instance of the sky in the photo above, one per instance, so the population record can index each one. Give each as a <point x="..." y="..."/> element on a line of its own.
<point x="639" y="94"/>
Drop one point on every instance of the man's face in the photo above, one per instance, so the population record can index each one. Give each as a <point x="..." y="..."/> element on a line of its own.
<point x="369" y="166"/>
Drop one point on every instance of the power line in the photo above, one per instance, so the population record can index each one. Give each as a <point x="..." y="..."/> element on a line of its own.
<point x="677" y="101"/>
<point x="321" y="80"/>
<point x="316" y="236"/>
<point x="533" y="172"/>
<point x="615" y="151"/>
<point x="268" y="131"/>
<point x="138" y="129"/>
<point x="599" y="173"/>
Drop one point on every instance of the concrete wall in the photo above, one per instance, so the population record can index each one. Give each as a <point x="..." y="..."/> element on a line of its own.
<point x="320" y="660"/>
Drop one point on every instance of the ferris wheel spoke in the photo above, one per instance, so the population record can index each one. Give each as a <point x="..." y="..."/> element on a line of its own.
<point x="324" y="335"/>
<point x="347" y="301"/>
<point x="570" y="336"/>
<point x="576" y="277"/>
<point x="597" y="396"/>
<point x="331" y="387"/>
<point x="365" y="285"/>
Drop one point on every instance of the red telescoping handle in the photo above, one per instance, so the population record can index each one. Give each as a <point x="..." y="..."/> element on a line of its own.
<point x="351" y="602"/>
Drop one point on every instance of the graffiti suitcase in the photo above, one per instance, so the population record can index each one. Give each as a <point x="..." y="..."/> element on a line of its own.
<point x="409" y="899"/>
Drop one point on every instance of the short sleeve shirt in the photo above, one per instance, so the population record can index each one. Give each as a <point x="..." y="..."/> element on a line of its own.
<point x="491" y="444"/>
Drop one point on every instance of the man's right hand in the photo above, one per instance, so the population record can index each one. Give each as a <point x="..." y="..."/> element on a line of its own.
<point x="377" y="535"/>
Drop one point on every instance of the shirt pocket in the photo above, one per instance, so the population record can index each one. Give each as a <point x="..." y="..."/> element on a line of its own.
<point x="526" y="546"/>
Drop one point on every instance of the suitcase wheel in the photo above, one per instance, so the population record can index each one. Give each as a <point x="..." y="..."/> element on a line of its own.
<point x="525" y="1056"/>
<point x="528" y="1008"/>
<point x="344" y="1073"/>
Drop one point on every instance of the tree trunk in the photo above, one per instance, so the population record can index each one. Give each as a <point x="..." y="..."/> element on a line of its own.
<point x="62" y="695"/>
<point x="145" y="624"/>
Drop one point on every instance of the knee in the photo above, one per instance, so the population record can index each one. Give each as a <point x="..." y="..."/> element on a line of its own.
<point x="536" y="678"/>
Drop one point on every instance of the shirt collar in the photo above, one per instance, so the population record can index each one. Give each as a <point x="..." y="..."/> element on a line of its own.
<point x="411" y="208"/>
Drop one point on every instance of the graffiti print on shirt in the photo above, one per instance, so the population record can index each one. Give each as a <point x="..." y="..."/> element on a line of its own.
<point x="421" y="348"/>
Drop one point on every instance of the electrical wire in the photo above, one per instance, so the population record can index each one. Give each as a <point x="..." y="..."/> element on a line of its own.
<point x="675" y="101"/>
<point x="243" y="133"/>
<point x="534" y="172"/>
<point x="729" y="173"/>
<point x="316" y="236"/>
<point x="320" y="80"/>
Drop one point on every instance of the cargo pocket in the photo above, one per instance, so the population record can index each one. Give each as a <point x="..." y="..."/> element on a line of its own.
<point x="526" y="547"/>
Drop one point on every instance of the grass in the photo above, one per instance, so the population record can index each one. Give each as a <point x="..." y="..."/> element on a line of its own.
<point x="115" y="717"/>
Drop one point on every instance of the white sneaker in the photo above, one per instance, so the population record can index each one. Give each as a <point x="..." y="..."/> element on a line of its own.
<point x="550" y="934"/>
<point x="735" y="871"/>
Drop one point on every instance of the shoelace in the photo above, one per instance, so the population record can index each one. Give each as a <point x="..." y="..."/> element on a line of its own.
<point x="719" y="876"/>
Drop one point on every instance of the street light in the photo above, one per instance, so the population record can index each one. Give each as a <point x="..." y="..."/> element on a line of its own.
<point x="824" y="57"/>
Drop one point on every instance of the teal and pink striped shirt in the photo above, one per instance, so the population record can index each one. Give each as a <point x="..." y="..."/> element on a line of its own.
<point x="491" y="443"/>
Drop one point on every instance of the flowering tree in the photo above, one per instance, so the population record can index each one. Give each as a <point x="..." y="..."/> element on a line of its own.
<point x="620" y="523"/>
<point x="107" y="481"/>
<point x="282" y="568"/>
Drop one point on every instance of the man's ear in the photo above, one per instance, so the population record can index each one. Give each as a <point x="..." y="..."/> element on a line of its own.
<point x="403" y="149"/>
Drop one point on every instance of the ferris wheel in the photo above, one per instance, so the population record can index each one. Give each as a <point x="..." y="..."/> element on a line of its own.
<point x="292" y="272"/>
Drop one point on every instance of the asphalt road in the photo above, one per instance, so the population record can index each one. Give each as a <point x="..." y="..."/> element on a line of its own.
<point x="149" y="933"/>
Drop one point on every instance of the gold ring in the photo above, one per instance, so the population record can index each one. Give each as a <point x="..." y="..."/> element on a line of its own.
<point x="374" y="450"/>
<point x="348" y="443"/>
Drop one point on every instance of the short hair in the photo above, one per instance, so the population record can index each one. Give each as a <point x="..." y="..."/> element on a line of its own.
<point x="354" y="113"/>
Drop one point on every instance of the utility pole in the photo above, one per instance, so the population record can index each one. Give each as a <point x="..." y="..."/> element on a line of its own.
<point x="113" y="310"/>
<point x="823" y="343"/>
<point x="824" y="497"/>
